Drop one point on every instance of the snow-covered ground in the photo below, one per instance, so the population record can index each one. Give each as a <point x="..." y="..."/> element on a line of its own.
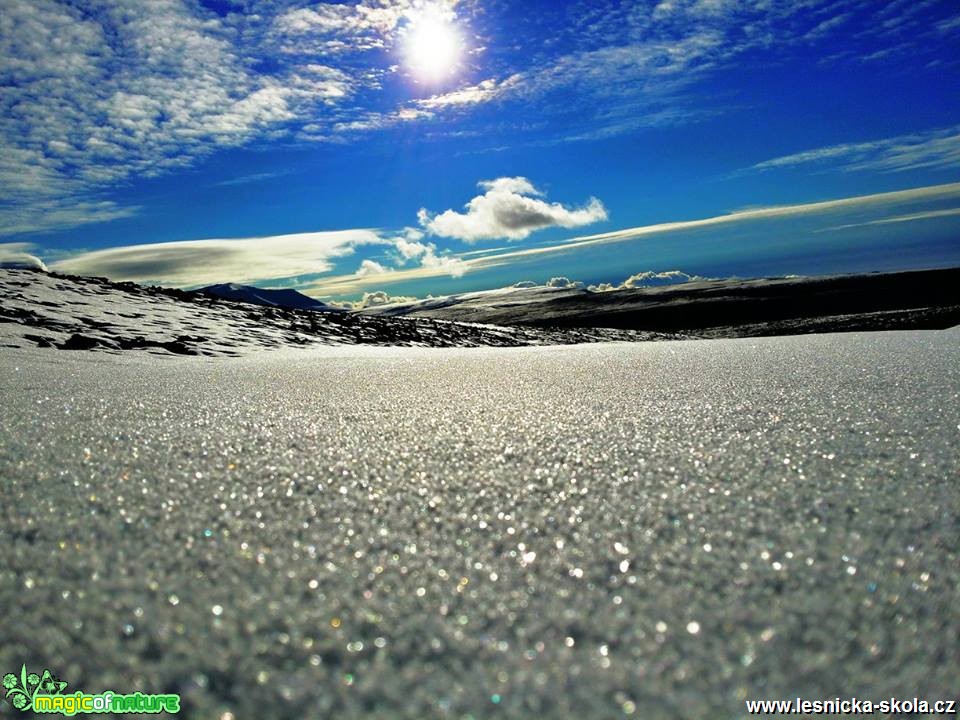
<point x="651" y="530"/>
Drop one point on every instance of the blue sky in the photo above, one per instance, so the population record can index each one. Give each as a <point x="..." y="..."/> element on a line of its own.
<point x="406" y="148"/>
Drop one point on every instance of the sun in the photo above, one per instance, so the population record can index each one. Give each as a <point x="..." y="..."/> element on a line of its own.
<point x="432" y="45"/>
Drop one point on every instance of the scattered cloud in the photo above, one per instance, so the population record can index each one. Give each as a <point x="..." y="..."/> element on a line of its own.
<point x="94" y="97"/>
<point x="628" y="66"/>
<point x="339" y="28"/>
<point x="936" y="149"/>
<point x="510" y="208"/>
<point x="17" y="256"/>
<point x="346" y="284"/>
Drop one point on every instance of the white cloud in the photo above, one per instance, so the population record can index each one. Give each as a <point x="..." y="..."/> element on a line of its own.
<point x="938" y="148"/>
<point x="630" y="65"/>
<point x="648" y="278"/>
<point x="371" y="267"/>
<point x="344" y="27"/>
<point x="16" y="255"/>
<point x="132" y="89"/>
<point x="128" y="89"/>
<point x="452" y="266"/>
<point x="374" y="299"/>
<point x="898" y="197"/>
<point x="251" y="178"/>
<point x="409" y="248"/>
<point x="471" y="95"/>
<point x="426" y="255"/>
<point x="203" y="262"/>
<point x="136" y="90"/>
<point x="47" y="214"/>
<point x="877" y="202"/>
<point x="376" y="121"/>
<point x="564" y="283"/>
<point x="510" y="208"/>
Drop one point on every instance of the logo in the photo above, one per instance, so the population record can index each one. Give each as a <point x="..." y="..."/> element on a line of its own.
<point x="44" y="695"/>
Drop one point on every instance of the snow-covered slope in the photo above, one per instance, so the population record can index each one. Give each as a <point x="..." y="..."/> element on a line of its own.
<point x="75" y="313"/>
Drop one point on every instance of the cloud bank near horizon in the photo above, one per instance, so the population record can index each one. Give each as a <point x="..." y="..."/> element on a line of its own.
<point x="406" y="256"/>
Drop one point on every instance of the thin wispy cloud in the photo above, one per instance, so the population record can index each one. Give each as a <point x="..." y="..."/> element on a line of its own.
<point x="912" y="217"/>
<point x="638" y="64"/>
<point x="936" y="149"/>
<point x="44" y="214"/>
<point x="251" y="179"/>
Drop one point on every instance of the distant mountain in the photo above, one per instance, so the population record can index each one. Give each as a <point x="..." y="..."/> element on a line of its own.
<point x="285" y="298"/>
<point x="711" y="308"/>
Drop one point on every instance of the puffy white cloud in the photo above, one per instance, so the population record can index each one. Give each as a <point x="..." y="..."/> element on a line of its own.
<point x="203" y="262"/>
<point x="410" y="248"/>
<point x="371" y="267"/>
<point x="455" y="267"/>
<point x="16" y="255"/>
<point x="651" y="279"/>
<point x="510" y="208"/>
<point x="373" y="299"/>
<point x="564" y="283"/>
<point x="648" y="279"/>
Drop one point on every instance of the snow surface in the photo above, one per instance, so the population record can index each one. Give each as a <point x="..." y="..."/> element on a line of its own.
<point x="655" y="530"/>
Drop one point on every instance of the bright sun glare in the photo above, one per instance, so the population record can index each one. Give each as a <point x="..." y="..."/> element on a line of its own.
<point x="433" y="45"/>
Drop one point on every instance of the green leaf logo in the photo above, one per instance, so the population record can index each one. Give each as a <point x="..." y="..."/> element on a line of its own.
<point x="21" y="691"/>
